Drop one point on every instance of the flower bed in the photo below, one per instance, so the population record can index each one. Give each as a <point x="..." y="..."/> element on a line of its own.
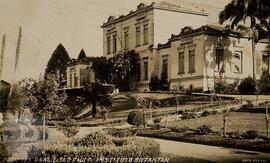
<point x="115" y="147"/>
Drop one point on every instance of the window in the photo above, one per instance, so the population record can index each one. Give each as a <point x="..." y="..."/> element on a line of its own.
<point x="138" y="71"/>
<point x="192" y="60"/>
<point x="108" y="44"/>
<point x="114" y="43"/>
<point x="145" y="34"/>
<point x="126" y="38"/>
<point x="238" y="61"/>
<point x="75" y="80"/>
<point x="219" y="59"/>
<point x="181" y="62"/>
<point x="138" y="36"/>
<point x="70" y="80"/>
<point x="145" y="65"/>
<point x="265" y="61"/>
<point x="165" y="67"/>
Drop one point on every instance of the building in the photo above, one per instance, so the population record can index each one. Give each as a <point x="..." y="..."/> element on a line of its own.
<point x="79" y="73"/>
<point x="195" y="58"/>
<point x="142" y="30"/>
<point x="196" y="54"/>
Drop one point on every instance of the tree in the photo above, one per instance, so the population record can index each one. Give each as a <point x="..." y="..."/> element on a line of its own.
<point x="103" y="69"/>
<point x="57" y="64"/>
<point x="258" y="11"/>
<point x="164" y="83"/>
<point x="82" y="55"/>
<point x="97" y="95"/>
<point x="48" y="99"/>
<point x="264" y="83"/>
<point x="154" y="82"/>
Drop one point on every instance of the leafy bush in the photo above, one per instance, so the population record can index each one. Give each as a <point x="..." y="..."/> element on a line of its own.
<point x="157" y="120"/>
<point x="187" y="115"/>
<point x="204" y="130"/>
<point x="154" y="82"/>
<point x="247" y="86"/>
<point x="232" y="87"/>
<point x="205" y="113"/>
<point x="221" y="86"/>
<point x="119" y="133"/>
<point x="235" y="135"/>
<point x="69" y="127"/>
<point x="119" y="141"/>
<point x="135" y="118"/>
<point x="264" y="83"/>
<point x="214" y="112"/>
<point x="250" y="134"/>
<point x="96" y="139"/>
<point x="4" y="154"/>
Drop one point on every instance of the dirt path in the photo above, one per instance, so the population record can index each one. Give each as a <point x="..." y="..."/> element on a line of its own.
<point x="211" y="153"/>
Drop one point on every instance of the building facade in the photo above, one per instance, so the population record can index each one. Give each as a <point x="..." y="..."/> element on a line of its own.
<point x="195" y="58"/>
<point x="196" y="53"/>
<point x="142" y="30"/>
<point x="79" y="73"/>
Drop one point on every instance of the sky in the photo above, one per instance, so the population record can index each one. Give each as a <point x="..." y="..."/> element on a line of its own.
<point x="74" y="23"/>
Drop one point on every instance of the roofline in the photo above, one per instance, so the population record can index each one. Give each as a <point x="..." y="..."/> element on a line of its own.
<point x="153" y="6"/>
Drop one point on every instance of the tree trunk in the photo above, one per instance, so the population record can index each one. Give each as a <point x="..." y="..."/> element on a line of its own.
<point x="44" y="126"/>
<point x="94" y="109"/>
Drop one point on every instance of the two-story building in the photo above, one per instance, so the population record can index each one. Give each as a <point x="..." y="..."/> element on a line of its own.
<point x="196" y="53"/>
<point x="142" y="30"/>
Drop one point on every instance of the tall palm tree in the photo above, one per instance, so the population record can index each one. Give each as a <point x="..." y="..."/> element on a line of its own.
<point x="258" y="12"/>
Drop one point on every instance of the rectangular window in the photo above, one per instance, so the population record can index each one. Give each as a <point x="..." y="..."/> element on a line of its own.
<point x="181" y="62"/>
<point x="145" y="34"/>
<point x="138" y="36"/>
<point x="192" y="60"/>
<point x="145" y="64"/>
<point x="165" y="68"/>
<point x="126" y="38"/>
<point x="265" y="61"/>
<point x="138" y="71"/>
<point x="114" y="43"/>
<point x="70" y="80"/>
<point x="238" y="62"/>
<point x="108" y="44"/>
<point x="219" y="59"/>
<point x="75" y="80"/>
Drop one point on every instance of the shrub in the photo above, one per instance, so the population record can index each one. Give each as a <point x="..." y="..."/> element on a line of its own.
<point x="119" y="141"/>
<point x="214" y="112"/>
<point x="4" y="154"/>
<point x="187" y="115"/>
<point x="157" y="120"/>
<point x="264" y="83"/>
<point x="96" y="138"/>
<point x="235" y="135"/>
<point x="205" y="113"/>
<point x="119" y="133"/>
<point x="69" y="127"/>
<point x="232" y="87"/>
<point x="204" y="130"/>
<point x="250" y="134"/>
<point x="221" y="86"/>
<point x="154" y="82"/>
<point x="135" y="118"/>
<point x="247" y="86"/>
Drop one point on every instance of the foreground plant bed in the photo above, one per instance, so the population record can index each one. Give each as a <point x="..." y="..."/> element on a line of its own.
<point x="212" y="139"/>
<point x="128" y="147"/>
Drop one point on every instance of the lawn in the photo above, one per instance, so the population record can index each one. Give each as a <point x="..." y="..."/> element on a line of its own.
<point x="236" y="121"/>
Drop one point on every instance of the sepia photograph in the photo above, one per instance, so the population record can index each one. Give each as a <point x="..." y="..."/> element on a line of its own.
<point x="135" y="81"/>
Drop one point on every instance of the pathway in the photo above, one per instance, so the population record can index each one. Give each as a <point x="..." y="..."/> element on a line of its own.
<point x="211" y="153"/>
